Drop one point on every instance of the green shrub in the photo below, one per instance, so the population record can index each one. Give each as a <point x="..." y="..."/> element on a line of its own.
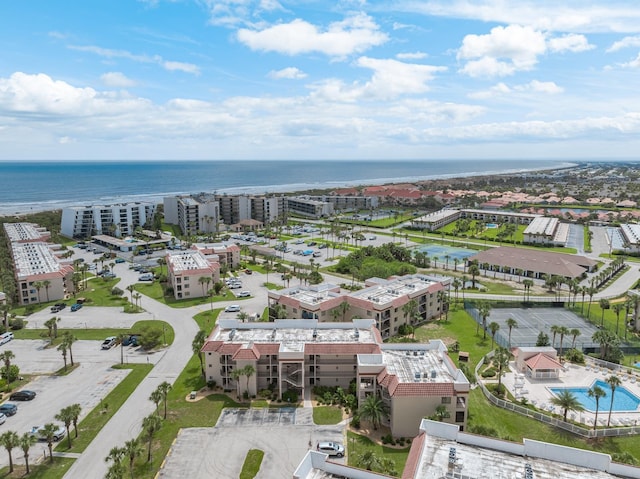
<point x="575" y="356"/>
<point x="290" y="396"/>
<point x="355" y="421"/>
<point x="211" y="384"/>
<point x="488" y="373"/>
<point x="17" y="323"/>
<point x="264" y="393"/>
<point x="115" y="291"/>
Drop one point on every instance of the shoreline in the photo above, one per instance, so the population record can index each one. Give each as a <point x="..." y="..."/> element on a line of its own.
<point x="21" y="209"/>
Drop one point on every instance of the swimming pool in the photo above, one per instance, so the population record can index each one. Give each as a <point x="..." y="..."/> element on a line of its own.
<point x="623" y="399"/>
<point x="441" y="251"/>
<point x="492" y="225"/>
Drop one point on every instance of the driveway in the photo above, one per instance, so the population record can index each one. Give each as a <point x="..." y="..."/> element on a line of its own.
<point x="284" y="435"/>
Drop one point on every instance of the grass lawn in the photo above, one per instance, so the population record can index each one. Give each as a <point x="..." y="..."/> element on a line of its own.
<point x="89" y="427"/>
<point x="358" y="444"/>
<point x="98" y="334"/>
<point x="154" y="290"/>
<point x="45" y="470"/>
<point x="251" y="464"/>
<point x="207" y="319"/>
<point x="324" y="415"/>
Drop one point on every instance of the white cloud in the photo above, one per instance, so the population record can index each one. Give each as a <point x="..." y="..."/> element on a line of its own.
<point x="390" y="79"/>
<point x="291" y="73"/>
<point x="231" y="13"/>
<point x="501" y="89"/>
<point x="411" y="56"/>
<point x="117" y="80"/>
<point x="633" y="63"/>
<point x="626" y="42"/>
<point x="156" y="59"/>
<point x="571" y="43"/>
<point x="541" y="87"/>
<point x="354" y="34"/>
<point x="550" y="15"/>
<point x="501" y="52"/>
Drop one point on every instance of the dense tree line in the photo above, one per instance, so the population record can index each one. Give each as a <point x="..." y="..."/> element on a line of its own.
<point x="377" y="261"/>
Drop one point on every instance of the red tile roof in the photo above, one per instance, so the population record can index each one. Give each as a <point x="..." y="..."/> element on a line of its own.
<point x="423" y="389"/>
<point x="247" y="353"/>
<point x="341" y="348"/>
<point x="211" y="346"/>
<point x="542" y="361"/>
<point x="415" y="455"/>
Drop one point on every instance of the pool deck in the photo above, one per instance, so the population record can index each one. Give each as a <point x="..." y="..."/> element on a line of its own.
<point x="537" y="393"/>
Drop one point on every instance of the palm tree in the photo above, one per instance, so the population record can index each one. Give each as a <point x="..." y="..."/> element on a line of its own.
<point x="62" y="347"/>
<point x="46" y="284"/>
<point x="410" y="311"/>
<point x="369" y="460"/>
<point x="65" y="416"/>
<point x="613" y="381"/>
<point x="501" y="361"/>
<point x="555" y="329"/>
<point x="68" y="339"/>
<point x="617" y="308"/>
<point x="474" y="271"/>
<point x="248" y="371"/>
<point x="563" y="331"/>
<point x="150" y="425"/>
<point x="493" y="328"/>
<point x="344" y="308"/>
<point x="9" y="441"/>
<point x="484" y="309"/>
<point x="52" y="327"/>
<point x="574" y="334"/>
<point x="6" y="358"/>
<point x="196" y="347"/>
<point x="373" y="410"/>
<point x="25" y="443"/>
<point x="164" y="388"/>
<point x="38" y="285"/>
<point x="441" y="413"/>
<point x="567" y="401"/>
<point x="511" y="323"/>
<point x="131" y="288"/>
<point x="155" y="397"/>
<point x="75" y="409"/>
<point x="204" y="280"/>
<point x="596" y="392"/>
<point x="116" y="470"/>
<point x="456" y="283"/>
<point x="527" y="283"/>
<point x="132" y="449"/>
<point x="48" y="432"/>
<point x="604" y="304"/>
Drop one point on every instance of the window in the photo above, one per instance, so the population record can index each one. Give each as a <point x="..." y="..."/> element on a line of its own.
<point x="460" y="416"/>
<point x="446" y="400"/>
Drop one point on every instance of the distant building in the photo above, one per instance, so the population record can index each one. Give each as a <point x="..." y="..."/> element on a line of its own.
<point x="382" y="300"/>
<point x="411" y="379"/>
<point x="439" y="219"/>
<point x="185" y="270"/>
<point x="532" y="263"/>
<point x="344" y="203"/>
<point x="26" y="233"/>
<point x="310" y="208"/>
<point x="630" y="234"/>
<point x="225" y="253"/>
<point x="546" y="231"/>
<point x="115" y="220"/>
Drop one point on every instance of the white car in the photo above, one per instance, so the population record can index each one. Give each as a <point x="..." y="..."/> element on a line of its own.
<point x="36" y="431"/>
<point x="3" y="418"/>
<point x="233" y="308"/>
<point x="244" y="294"/>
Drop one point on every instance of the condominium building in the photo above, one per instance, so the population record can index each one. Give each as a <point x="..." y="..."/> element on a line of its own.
<point x="347" y="202"/>
<point x="208" y="213"/>
<point x="383" y="300"/>
<point x="26" y="233"/>
<point x="191" y="273"/>
<point x="115" y="220"/>
<point x="225" y="253"/>
<point x="443" y="450"/>
<point x="308" y="207"/>
<point x="438" y="219"/>
<point x="411" y="379"/>
<point x="546" y="231"/>
<point x="40" y="275"/>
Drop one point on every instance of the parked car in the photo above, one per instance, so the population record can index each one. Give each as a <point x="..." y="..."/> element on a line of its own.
<point x="3" y="418"/>
<point x="75" y="307"/>
<point x="233" y="308"/>
<point x="109" y="342"/>
<point x="61" y="305"/>
<point x="131" y="340"/>
<point x="37" y="432"/>
<point x="119" y="260"/>
<point x="331" y="448"/>
<point x="146" y="277"/>
<point x="8" y="409"/>
<point x="248" y="271"/>
<point x="55" y="309"/>
<point x="24" y="395"/>
<point x="244" y="294"/>
<point x="235" y="285"/>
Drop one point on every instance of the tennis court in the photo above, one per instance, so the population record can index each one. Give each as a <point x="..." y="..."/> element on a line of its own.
<point x="441" y="251"/>
<point x="531" y="321"/>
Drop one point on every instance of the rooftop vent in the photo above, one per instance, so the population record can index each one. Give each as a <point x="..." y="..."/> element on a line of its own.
<point x="232" y="334"/>
<point x="433" y="374"/>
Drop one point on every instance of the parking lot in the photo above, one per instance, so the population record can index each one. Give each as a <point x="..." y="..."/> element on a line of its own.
<point x="284" y="435"/>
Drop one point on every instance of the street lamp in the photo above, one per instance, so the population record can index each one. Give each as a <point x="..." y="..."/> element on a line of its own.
<point x="164" y="335"/>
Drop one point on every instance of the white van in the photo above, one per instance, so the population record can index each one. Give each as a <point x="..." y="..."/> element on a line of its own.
<point x="146" y="277"/>
<point x="6" y="337"/>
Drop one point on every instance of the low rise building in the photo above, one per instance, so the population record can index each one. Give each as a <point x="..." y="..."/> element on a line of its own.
<point x="26" y="233"/>
<point x="191" y="274"/>
<point x="383" y="300"/>
<point x="412" y="379"/>
<point x="439" y="219"/>
<point x="225" y="253"/>
<point x="546" y="231"/>
<point x="308" y="207"/>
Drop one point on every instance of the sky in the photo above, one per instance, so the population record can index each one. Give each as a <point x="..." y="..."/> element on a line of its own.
<point x="346" y="79"/>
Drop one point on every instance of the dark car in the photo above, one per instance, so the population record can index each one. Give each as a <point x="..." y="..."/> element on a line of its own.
<point x="23" y="395"/>
<point x="8" y="409"/>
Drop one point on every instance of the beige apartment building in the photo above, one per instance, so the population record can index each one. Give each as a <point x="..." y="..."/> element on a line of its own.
<point x="184" y="270"/>
<point x="224" y="253"/>
<point x="412" y="379"/>
<point x="383" y="300"/>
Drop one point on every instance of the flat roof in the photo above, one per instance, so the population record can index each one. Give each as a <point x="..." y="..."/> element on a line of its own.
<point x="311" y="294"/>
<point x="24" y="231"/>
<point x="542" y="226"/>
<point x="187" y="260"/>
<point x="33" y="258"/>
<point x="437" y="216"/>
<point x="294" y="333"/>
<point x="419" y="365"/>
<point x="473" y="462"/>
<point x="631" y="233"/>
<point x="388" y="290"/>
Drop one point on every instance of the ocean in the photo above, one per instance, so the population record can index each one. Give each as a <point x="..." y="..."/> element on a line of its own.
<point x="40" y="186"/>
